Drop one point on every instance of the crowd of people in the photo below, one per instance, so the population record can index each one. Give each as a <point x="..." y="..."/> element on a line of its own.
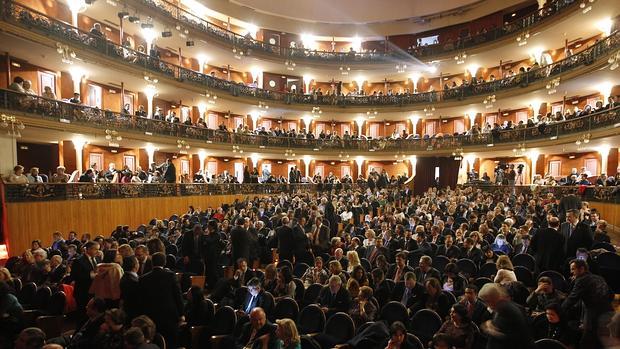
<point x="363" y="250"/>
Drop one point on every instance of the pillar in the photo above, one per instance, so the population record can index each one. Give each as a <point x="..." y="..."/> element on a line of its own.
<point x="360" y="123"/>
<point x="150" y="91"/>
<point x="413" y="160"/>
<point x="202" y="156"/>
<point x="533" y="158"/>
<point x="78" y="144"/>
<point x="307" y="160"/>
<point x="360" y="162"/>
<point x="8" y="154"/>
<point x="150" y="151"/>
<point x="604" y="150"/>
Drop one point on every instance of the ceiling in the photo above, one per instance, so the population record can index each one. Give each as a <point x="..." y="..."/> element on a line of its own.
<point x="353" y="11"/>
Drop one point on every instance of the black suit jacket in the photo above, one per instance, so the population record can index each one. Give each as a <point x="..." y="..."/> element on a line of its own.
<point x="267" y="329"/>
<point x="145" y="267"/>
<point x="80" y="273"/>
<point x="414" y="296"/>
<point x="568" y="202"/>
<point x="475" y="255"/>
<point x="240" y="241"/>
<point x="170" y="174"/>
<point x="431" y="273"/>
<point x="452" y="252"/>
<point x="161" y="297"/>
<point x="188" y="246"/>
<point x="392" y="272"/>
<point x="341" y="302"/>
<point x="130" y="295"/>
<point x="581" y="237"/>
<point x="410" y="245"/>
<point x="84" y="337"/>
<point x="263" y="300"/>
<point x="286" y="242"/>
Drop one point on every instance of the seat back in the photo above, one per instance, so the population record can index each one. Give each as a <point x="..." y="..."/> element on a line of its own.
<point x="366" y="264"/>
<point x="524" y="260"/>
<point x="525" y="276"/>
<point x="159" y="341"/>
<point x="300" y="269"/>
<point x="240" y="294"/>
<point x="340" y="327"/>
<point x="51" y="325"/>
<point x="415" y="341"/>
<point x="197" y="332"/>
<point x="312" y="293"/>
<point x="308" y="342"/>
<point x="424" y="324"/>
<point x="299" y="290"/>
<point x="488" y="270"/>
<point x="547" y="343"/>
<point x="467" y="267"/>
<point x="311" y="319"/>
<point x="440" y="262"/>
<point x="56" y="305"/>
<point x="224" y="321"/>
<point x="285" y="308"/>
<point x="604" y="245"/>
<point x="28" y="293"/>
<point x="42" y="298"/>
<point x="481" y="281"/>
<point x="394" y="311"/>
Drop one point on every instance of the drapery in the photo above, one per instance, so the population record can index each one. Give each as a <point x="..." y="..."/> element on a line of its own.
<point x="425" y="173"/>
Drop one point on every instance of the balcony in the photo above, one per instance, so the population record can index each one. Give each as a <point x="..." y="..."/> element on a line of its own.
<point x="224" y="36"/>
<point x="32" y="21"/>
<point x="68" y="113"/>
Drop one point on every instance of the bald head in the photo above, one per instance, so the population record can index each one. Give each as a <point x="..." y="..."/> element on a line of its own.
<point x="554" y="222"/>
<point x="258" y="319"/>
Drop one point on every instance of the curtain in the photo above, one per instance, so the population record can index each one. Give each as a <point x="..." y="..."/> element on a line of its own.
<point x="425" y="173"/>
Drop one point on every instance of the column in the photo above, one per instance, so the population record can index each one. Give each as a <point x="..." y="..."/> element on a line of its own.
<point x="307" y="79"/>
<point x="8" y="154"/>
<point x="150" y="91"/>
<point x="150" y="151"/>
<point x="533" y="155"/>
<point x="360" y="162"/>
<point x="604" y="150"/>
<point x="76" y="76"/>
<point x="254" y="116"/>
<point x="78" y="144"/>
<point x="360" y="123"/>
<point x="202" y="156"/>
<point x="307" y="160"/>
<point x="414" y="123"/>
<point x="413" y="160"/>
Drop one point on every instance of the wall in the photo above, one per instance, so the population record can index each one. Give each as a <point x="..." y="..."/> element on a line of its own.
<point x="94" y="216"/>
<point x="43" y="156"/>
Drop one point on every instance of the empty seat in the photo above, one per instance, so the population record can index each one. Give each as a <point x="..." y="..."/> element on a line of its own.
<point x="312" y="293"/>
<point x="424" y="324"/>
<point x="467" y="267"/>
<point x="524" y="260"/>
<point x="340" y="327"/>
<point x="300" y="269"/>
<point x="440" y="262"/>
<point x="525" y="276"/>
<point x="394" y="311"/>
<point x="311" y="319"/>
<point x="488" y="270"/>
<point x="285" y="308"/>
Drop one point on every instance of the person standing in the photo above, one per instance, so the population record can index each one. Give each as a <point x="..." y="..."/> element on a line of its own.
<point x="240" y="241"/>
<point x="592" y="292"/>
<point x="508" y="328"/>
<point x="576" y="234"/>
<point x="211" y="250"/>
<point x="286" y="242"/>
<point x="170" y="172"/>
<point x="191" y="250"/>
<point x="161" y="299"/>
<point x="83" y="271"/>
<point x="544" y="246"/>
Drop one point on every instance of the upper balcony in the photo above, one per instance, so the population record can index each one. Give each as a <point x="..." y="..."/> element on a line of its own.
<point x="34" y="25"/>
<point x="386" y="53"/>
<point x="47" y="113"/>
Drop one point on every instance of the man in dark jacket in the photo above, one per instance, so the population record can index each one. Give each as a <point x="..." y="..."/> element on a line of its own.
<point x="592" y="292"/>
<point x="576" y="234"/>
<point x="257" y="297"/>
<point x="170" y="172"/>
<point x="130" y="288"/>
<point x="83" y="272"/>
<point x="545" y="246"/>
<point x="258" y="333"/>
<point x="161" y="299"/>
<point x="334" y="298"/>
<point x="240" y="241"/>
<point x="286" y="243"/>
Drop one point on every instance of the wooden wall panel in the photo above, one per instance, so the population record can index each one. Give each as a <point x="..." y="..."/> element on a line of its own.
<point x="38" y="220"/>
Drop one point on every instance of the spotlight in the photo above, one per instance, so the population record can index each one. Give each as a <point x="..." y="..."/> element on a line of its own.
<point x="123" y="14"/>
<point x="189" y="43"/>
<point x="166" y="33"/>
<point x="134" y="19"/>
<point x="146" y="25"/>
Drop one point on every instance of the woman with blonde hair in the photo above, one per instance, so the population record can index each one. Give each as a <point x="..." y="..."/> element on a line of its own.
<point x="505" y="271"/>
<point x="288" y="336"/>
<point x="354" y="261"/>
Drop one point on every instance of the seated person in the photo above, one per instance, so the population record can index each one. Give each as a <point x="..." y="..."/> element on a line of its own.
<point x="459" y="328"/>
<point x="256" y="297"/>
<point x="398" y="337"/>
<point x="544" y="295"/>
<point x="400" y="268"/>
<point x="285" y="286"/>
<point x="558" y="327"/>
<point x="258" y="333"/>
<point x="409" y="292"/>
<point x="363" y="309"/>
<point x="434" y="299"/>
<point x="425" y="269"/>
<point x="476" y="309"/>
<point x="334" y="298"/>
<point x="452" y="281"/>
<point x="316" y="274"/>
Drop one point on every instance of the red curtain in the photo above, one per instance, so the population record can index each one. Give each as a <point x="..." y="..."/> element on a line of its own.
<point x="4" y="227"/>
<point x="425" y="173"/>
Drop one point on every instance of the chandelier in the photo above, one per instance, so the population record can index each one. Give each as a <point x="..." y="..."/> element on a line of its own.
<point x="519" y="150"/>
<point x="460" y="58"/>
<point x="552" y="85"/>
<point x="262" y="105"/>
<point x="316" y="111"/>
<point x="429" y="110"/>
<point x="151" y="79"/>
<point x="458" y="154"/>
<point x="289" y="153"/>
<point x="211" y="97"/>
<point x="585" y="6"/>
<point x="583" y="139"/>
<point x="401" y="68"/>
<point x="113" y="135"/>
<point x="237" y="149"/>
<point x="344" y="70"/>
<point x="488" y="101"/>
<point x="614" y="61"/>
<point x="182" y="144"/>
<point x="522" y="38"/>
<point x="372" y="113"/>
<point x="12" y="124"/>
<point x="65" y="52"/>
<point x="344" y="156"/>
<point x="290" y="65"/>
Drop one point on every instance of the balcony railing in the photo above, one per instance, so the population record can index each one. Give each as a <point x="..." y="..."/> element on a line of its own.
<point x="391" y="54"/>
<point x="32" y="20"/>
<point x="70" y="113"/>
<point x="586" y="193"/>
<point x="88" y="191"/>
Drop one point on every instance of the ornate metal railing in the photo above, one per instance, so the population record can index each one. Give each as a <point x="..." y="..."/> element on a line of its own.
<point x="25" y="17"/>
<point x="70" y="113"/>
<point x="587" y="193"/>
<point x="89" y="191"/>
<point x="390" y="54"/>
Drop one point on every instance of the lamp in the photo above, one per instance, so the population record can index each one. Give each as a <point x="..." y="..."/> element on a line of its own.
<point x="473" y="69"/>
<point x="605" y="26"/>
<point x="415" y="77"/>
<point x="605" y="89"/>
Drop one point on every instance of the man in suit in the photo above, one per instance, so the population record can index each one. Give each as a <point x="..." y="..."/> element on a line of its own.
<point x="240" y="241"/>
<point x="409" y="243"/>
<point x="83" y="271"/>
<point x="392" y="244"/>
<point x="397" y="271"/>
<point x="576" y="234"/>
<point x="319" y="236"/>
<point x="145" y="264"/>
<point x="84" y="336"/>
<point x="424" y="248"/>
<point x="130" y="288"/>
<point x="567" y="203"/>
<point x="545" y="246"/>
<point x="286" y="242"/>
<point x="170" y="172"/>
<point x="425" y="270"/>
<point x="58" y="270"/>
<point x="191" y="250"/>
<point x="161" y="299"/>
<point x="382" y="289"/>
<point x="476" y="309"/>
<point x="470" y="251"/>
<point x="408" y="292"/>
<point x="448" y="248"/>
<point x="334" y="298"/>
<point x="258" y="333"/>
<point x="256" y="297"/>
